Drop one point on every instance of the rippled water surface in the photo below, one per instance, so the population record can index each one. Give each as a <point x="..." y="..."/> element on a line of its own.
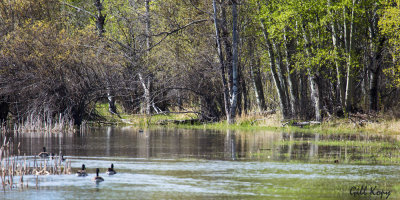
<point x="163" y="163"/>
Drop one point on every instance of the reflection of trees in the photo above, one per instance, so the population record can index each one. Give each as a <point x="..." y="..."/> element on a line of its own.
<point x="143" y="144"/>
<point x="314" y="148"/>
<point x="229" y="144"/>
<point x="215" y="145"/>
<point x="258" y="145"/>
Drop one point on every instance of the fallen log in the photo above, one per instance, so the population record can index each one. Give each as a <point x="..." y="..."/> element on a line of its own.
<point x="300" y="124"/>
<point x="171" y="121"/>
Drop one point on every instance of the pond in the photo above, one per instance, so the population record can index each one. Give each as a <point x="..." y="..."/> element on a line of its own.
<point x="167" y="163"/>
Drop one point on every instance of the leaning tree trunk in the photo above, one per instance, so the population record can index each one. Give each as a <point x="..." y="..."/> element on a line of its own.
<point x="256" y="79"/>
<point x="281" y="71"/>
<point x="292" y="82"/>
<point x="275" y="76"/>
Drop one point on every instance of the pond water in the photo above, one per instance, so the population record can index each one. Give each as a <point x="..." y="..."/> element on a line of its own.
<point x="164" y="163"/>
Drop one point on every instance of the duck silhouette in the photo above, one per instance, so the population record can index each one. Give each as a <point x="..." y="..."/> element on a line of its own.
<point x="97" y="178"/>
<point x="82" y="172"/>
<point x="44" y="154"/>
<point x="111" y="170"/>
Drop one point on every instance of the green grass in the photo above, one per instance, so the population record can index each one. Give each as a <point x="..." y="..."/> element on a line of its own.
<point x="249" y="123"/>
<point x="140" y="120"/>
<point x="342" y="143"/>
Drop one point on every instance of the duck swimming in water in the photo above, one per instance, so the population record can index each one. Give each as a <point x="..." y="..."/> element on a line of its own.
<point x="62" y="158"/>
<point x="97" y="178"/>
<point x="44" y="154"/>
<point x="111" y="170"/>
<point x="82" y="172"/>
<point x="52" y="156"/>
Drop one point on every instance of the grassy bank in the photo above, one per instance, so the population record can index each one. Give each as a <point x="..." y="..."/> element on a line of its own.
<point x="380" y="125"/>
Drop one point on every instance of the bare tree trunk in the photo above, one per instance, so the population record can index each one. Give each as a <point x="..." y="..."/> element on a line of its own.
<point x="244" y="95"/>
<point x="146" y="88"/>
<point x="303" y="92"/>
<point x="146" y="83"/>
<point x="303" y="97"/>
<point x="240" y="92"/>
<point x="349" y="83"/>
<point x="375" y="69"/>
<point x="228" y="48"/>
<point x="340" y="92"/>
<point x="271" y="54"/>
<point x="312" y="77"/>
<point x="375" y="62"/>
<point x="148" y="24"/>
<point x="100" y="20"/>
<point x="292" y="82"/>
<point x="281" y="71"/>
<point x="235" y="40"/>
<point x="255" y="78"/>
<point x="221" y="61"/>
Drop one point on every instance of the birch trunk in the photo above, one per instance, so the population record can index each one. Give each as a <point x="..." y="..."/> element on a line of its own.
<point x="340" y="90"/>
<point x="349" y="83"/>
<point x="256" y="79"/>
<point x="221" y="62"/>
<point x="235" y="40"/>
<point x="146" y="83"/>
<point x="314" y="87"/>
<point x="292" y="83"/>
<point x="280" y="71"/>
<point x="228" y="48"/>
<point x="271" y="55"/>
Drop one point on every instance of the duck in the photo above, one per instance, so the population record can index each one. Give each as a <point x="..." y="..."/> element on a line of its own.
<point x="82" y="172"/>
<point x="97" y="178"/>
<point x="111" y="170"/>
<point x="44" y="154"/>
<point x="52" y="156"/>
<point x="62" y="158"/>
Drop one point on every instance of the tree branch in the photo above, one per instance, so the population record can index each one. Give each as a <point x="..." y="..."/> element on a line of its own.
<point x="79" y="9"/>
<point x="166" y="34"/>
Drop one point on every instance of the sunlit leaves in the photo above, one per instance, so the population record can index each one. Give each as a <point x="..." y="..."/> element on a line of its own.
<point x="390" y="26"/>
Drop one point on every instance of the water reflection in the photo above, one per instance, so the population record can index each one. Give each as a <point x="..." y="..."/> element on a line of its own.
<point x="215" y="145"/>
<point x="164" y="163"/>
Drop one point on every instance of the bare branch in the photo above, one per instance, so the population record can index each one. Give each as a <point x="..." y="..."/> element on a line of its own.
<point x="79" y="9"/>
<point x="166" y="34"/>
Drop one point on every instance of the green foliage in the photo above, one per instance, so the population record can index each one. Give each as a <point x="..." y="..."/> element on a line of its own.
<point x="390" y="26"/>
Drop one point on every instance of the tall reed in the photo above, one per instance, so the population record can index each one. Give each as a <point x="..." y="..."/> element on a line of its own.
<point x="13" y="164"/>
<point x="44" y="124"/>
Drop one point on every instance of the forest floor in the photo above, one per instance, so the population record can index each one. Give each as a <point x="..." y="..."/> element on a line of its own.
<point x="355" y="123"/>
